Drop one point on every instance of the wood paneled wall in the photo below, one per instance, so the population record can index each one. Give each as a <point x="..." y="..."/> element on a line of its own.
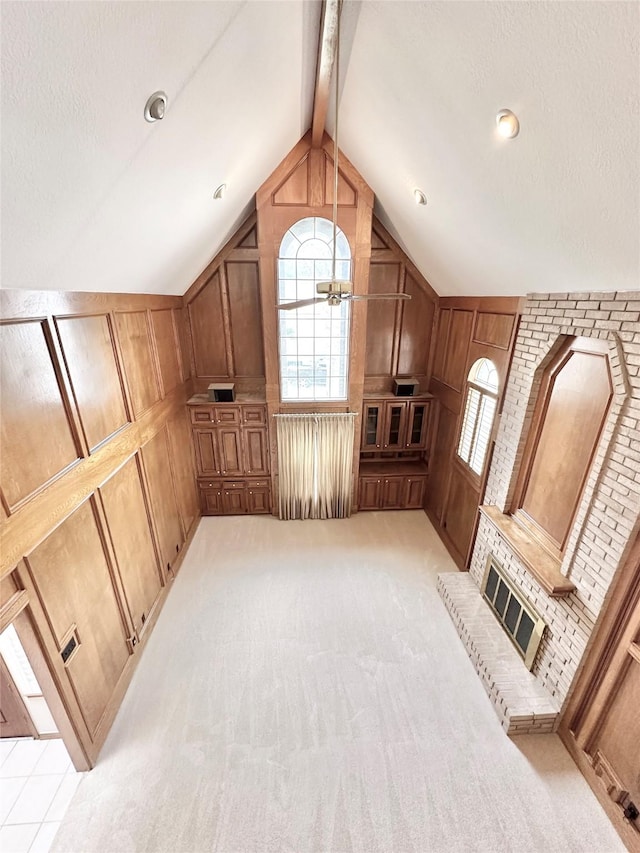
<point x="467" y="329"/>
<point x="97" y="488"/>
<point x="399" y="334"/>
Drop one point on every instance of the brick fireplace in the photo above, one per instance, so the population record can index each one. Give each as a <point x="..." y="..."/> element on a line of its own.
<point x="609" y="509"/>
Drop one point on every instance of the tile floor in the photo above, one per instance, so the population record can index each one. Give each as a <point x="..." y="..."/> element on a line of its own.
<point x="37" y="782"/>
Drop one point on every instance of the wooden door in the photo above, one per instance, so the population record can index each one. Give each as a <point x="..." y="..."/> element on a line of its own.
<point x="395" y="421"/>
<point x="603" y="732"/>
<point x="393" y="493"/>
<point x="417" y="425"/>
<point x="372" y="424"/>
<point x="14" y="717"/>
<point x="256" y="456"/>
<point x="370" y="491"/>
<point x="207" y="459"/>
<point x="229" y="445"/>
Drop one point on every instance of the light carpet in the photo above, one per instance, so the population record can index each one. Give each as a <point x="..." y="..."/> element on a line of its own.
<point x="304" y="690"/>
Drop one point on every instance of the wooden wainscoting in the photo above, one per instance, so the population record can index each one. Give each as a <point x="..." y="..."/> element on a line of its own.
<point x="601" y="724"/>
<point x="98" y="489"/>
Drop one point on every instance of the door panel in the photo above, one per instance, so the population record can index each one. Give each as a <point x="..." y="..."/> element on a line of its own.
<point x="72" y="575"/>
<point x="255" y="450"/>
<point x="393" y="493"/>
<point x="372" y="424"/>
<point x="128" y="522"/>
<point x="395" y="426"/>
<point x="415" y="492"/>
<point x="155" y="455"/>
<point x="370" y="491"/>
<point x="460" y="513"/>
<point x="230" y="450"/>
<point x="206" y="452"/>
<point x="440" y="460"/>
<point x="14" y="717"/>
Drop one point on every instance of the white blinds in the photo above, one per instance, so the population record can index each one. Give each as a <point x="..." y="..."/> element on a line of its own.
<point x="315" y="455"/>
<point x="476" y="428"/>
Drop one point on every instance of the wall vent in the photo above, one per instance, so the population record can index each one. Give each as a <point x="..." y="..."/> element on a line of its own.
<point x="518" y="618"/>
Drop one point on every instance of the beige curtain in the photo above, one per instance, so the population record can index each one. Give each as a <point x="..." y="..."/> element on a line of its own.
<point x="315" y="455"/>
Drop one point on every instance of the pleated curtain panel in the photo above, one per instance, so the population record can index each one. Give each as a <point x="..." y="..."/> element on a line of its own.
<point x="315" y="456"/>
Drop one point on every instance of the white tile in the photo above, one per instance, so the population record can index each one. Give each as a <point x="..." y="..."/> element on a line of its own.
<point x="54" y="759"/>
<point x="19" y="838"/>
<point x="23" y="758"/>
<point x="9" y="791"/>
<point x="44" y="839"/>
<point x="35" y="799"/>
<point x="6" y="745"/>
<point x="63" y="797"/>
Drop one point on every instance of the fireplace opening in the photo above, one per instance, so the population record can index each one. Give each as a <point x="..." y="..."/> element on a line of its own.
<point x="521" y="623"/>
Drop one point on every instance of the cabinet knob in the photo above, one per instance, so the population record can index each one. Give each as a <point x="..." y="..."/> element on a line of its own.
<point x="250" y="493"/>
<point x="224" y="472"/>
<point x="219" y="493"/>
<point x="378" y="480"/>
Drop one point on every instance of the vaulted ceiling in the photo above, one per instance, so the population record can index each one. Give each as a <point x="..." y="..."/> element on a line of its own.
<point x="96" y="198"/>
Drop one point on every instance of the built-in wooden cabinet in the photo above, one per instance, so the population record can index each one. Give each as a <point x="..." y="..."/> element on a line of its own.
<point x="393" y="452"/>
<point x="394" y="424"/>
<point x="231" y="451"/>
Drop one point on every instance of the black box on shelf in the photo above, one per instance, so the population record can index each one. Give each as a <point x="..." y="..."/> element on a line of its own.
<point x="222" y="393"/>
<point x="405" y="386"/>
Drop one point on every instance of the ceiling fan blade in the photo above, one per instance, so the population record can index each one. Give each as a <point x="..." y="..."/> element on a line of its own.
<point x="301" y="303"/>
<point x="379" y="296"/>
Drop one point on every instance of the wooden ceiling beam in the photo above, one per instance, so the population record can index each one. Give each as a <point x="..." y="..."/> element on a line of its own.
<point x="327" y="44"/>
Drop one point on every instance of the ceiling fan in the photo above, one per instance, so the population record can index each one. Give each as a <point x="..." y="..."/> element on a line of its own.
<point x="337" y="290"/>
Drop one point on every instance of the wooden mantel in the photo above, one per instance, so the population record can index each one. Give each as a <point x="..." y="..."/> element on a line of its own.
<point x="537" y="560"/>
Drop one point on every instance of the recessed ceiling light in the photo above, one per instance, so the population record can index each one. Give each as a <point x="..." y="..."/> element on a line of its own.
<point x="155" y="107"/>
<point x="220" y="191"/>
<point x="419" y="196"/>
<point x="508" y="124"/>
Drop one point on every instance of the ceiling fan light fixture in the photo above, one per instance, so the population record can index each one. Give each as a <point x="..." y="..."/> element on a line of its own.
<point x="219" y="192"/>
<point x="419" y="196"/>
<point x="508" y="124"/>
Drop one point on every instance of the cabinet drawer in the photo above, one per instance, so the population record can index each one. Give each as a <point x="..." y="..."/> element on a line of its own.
<point x="258" y="484"/>
<point x="254" y="415"/>
<point x="201" y="414"/>
<point x="209" y="484"/>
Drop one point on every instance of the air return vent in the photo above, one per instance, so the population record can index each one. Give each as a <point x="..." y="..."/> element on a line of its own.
<point x="518" y="618"/>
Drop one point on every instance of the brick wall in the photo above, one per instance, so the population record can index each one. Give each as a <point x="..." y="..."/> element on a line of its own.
<point x="609" y="512"/>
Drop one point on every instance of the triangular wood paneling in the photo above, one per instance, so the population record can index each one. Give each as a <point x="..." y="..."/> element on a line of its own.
<point x="251" y="240"/>
<point x="347" y="194"/>
<point x="376" y="240"/>
<point x="295" y="188"/>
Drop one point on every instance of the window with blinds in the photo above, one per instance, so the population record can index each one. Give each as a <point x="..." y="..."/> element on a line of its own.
<point x="480" y="407"/>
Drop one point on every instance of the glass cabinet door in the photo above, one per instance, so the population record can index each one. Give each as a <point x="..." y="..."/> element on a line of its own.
<point x="371" y="426"/>
<point x="417" y="425"/>
<point x="394" y="432"/>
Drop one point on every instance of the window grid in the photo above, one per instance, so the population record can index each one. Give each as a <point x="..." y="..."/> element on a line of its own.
<point x="314" y="340"/>
<point x="477" y="422"/>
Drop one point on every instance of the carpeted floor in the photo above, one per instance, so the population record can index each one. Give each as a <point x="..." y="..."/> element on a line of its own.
<point x="304" y="690"/>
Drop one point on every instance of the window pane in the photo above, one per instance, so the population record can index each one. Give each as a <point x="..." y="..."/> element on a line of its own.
<point x="314" y="340"/>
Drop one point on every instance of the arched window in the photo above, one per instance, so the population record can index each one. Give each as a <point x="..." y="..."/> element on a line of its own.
<point x="480" y="406"/>
<point x="314" y="340"/>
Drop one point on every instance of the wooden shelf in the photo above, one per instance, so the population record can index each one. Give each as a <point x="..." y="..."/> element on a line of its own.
<point x="543" y="566"/>
<point x="392" y="467"/>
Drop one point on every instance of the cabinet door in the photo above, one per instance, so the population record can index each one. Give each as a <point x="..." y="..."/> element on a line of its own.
<point x="395" y="422"/>
<point x="211" y="498"/>
<point x="393" y="493"/>
<point x="256" y="459"/>
<point x="417" y="425"/>
<point x="234" y="501"/>
<point x="258" y="499"/>
<point x="227" y="414"/>
<point x="229" y="446"/>
<point x="370" y="491"/>
<point x="415" y="492"/>
<point x="372" y="423"/>
<point x="206" y="452"/>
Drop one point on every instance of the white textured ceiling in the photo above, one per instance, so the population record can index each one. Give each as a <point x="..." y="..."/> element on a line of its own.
<point x="95" y="198"/>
